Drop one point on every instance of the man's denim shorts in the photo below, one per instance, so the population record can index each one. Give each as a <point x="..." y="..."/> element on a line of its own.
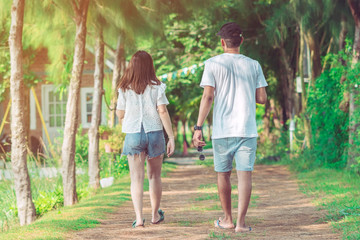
<point x="152" y="143"/>
<point x="241" y="148"/>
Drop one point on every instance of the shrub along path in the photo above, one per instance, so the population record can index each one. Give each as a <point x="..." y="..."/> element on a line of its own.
<point x="278" y="210"/>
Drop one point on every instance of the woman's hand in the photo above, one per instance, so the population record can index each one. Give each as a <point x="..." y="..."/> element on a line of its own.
<point x="170" y="147"/>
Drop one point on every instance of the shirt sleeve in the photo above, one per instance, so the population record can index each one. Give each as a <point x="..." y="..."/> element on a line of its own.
<point x="260" y="79"/>
<point x="207" y="77"/>
<point x="161" y="98"/>
<point x="121" y="100"/>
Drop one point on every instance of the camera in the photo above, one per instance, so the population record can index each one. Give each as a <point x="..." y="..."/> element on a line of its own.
<point x="201" y="156"/>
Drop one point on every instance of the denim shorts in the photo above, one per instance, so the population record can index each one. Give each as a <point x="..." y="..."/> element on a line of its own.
<point x="241" y="148"/>
<point x="152" y="143"/>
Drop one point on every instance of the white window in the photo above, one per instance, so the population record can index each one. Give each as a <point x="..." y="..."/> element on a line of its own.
<point x="86" y="95"/>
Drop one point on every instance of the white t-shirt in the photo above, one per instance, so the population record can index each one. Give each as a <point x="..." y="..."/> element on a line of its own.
<point x="235" y="78"/>
<point x="142" y="108"/>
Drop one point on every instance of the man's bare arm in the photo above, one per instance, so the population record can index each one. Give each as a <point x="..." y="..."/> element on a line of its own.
<point x="205" y="106"/>
<point x="261" y="96"/>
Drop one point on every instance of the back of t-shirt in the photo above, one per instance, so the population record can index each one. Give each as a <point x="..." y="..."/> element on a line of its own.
<point x="235" y="78"/>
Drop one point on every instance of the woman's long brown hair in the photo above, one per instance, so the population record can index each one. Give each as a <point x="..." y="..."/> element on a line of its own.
<point x="139" y="73"/>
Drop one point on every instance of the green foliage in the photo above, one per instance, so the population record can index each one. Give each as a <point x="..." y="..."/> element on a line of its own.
<point x="329" y="123"/>
<point x="47" y="201"/>
<point x="121" y="166"/>
<point x="47" y="195"/>
<point x="270" y="152"/>
<point x="85" y="214"/>
<point x="113" y="165"/>
<point x="4" y="72"/>
<point x="81" y="147"/>
<point x="111" y="139"/>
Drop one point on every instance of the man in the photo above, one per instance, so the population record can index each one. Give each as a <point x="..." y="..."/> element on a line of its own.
<point x="235" y="83"/>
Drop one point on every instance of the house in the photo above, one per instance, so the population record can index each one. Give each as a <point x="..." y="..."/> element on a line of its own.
<point x="53" y="107"/>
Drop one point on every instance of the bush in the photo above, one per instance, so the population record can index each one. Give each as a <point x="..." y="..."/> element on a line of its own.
<point x="82" y="145"/>
<point x="113" y="165"/>
<point x="112" y="139"/>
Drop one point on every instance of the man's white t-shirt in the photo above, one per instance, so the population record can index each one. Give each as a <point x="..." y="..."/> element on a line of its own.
<point x="235" y="78"/>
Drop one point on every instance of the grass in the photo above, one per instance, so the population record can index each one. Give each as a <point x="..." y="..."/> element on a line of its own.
<point x="338" y="192"/>
<point x="47" y="194"/>
<point x="85" y="214"/>
<point x="214" y="235"/>
<point x="208" y="162"/>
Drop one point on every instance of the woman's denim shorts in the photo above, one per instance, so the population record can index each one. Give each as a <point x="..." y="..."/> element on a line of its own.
<point x="152" y="143"/>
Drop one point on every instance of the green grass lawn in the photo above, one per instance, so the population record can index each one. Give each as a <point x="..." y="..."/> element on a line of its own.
<point x="338" y="192"/>
<point x="58" y="224"/>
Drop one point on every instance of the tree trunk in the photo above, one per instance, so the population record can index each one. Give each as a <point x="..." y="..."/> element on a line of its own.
<point x="72" y="109"/>
<point x="26" y="117"/>
<point x="315" y="56"/>
<point x="353" y="152"/>
<point x="287" y="85"/>
<point x="304" y="115"/>
<point x="185" y="143"/>
<point x="343" y="33"/>
<point x="175" y="127"/>
<point x="26" y="208"/>
<point x="276" y="119"/>
<point x="344" y="104"/>
<point x="266" y="121"/>
<point x="119" y="67"/>
<point x="94" y="171"/>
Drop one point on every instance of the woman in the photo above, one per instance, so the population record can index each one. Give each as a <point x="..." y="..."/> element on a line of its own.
<point x="141" y="107"/>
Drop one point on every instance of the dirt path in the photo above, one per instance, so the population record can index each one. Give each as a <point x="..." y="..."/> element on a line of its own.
<point x="280" y="210"/>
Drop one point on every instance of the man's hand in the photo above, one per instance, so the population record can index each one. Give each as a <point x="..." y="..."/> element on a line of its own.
<point x="197" y="139"/>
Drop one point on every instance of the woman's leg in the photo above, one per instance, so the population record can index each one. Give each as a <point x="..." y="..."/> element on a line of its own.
<point x="136" y="166"/>
<point x="155" y="186"/>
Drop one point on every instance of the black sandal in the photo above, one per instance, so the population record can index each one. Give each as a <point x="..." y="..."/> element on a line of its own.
<point x="134" y="224"/>
<point x="162" y="217"/>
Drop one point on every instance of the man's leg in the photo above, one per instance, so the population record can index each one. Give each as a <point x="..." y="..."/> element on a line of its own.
<point x="244" y="189"/>
<point x="136" y="166"/>
<point x="224" y="189"/>
<point x="155" y="187"/>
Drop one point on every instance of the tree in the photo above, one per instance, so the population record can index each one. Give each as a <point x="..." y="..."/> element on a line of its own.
<point x="26" y="208"/>
<point x="306" y="119"/>
<point x="280" y="27"/>
<point x="119" y="68"/>
<point x="127" y="21"/>
<point x="94" y="170"/>
<point x="354" y="99"/>
<point x="80" y="8"/>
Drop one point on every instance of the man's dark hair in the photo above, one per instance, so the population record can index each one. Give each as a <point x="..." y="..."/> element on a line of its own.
<point x="232" y="34"/>
<point x="233" y="42"/>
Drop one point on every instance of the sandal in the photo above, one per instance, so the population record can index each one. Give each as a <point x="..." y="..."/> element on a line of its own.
<point x="162" y="217"/>
<point x="135" y="226"/>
